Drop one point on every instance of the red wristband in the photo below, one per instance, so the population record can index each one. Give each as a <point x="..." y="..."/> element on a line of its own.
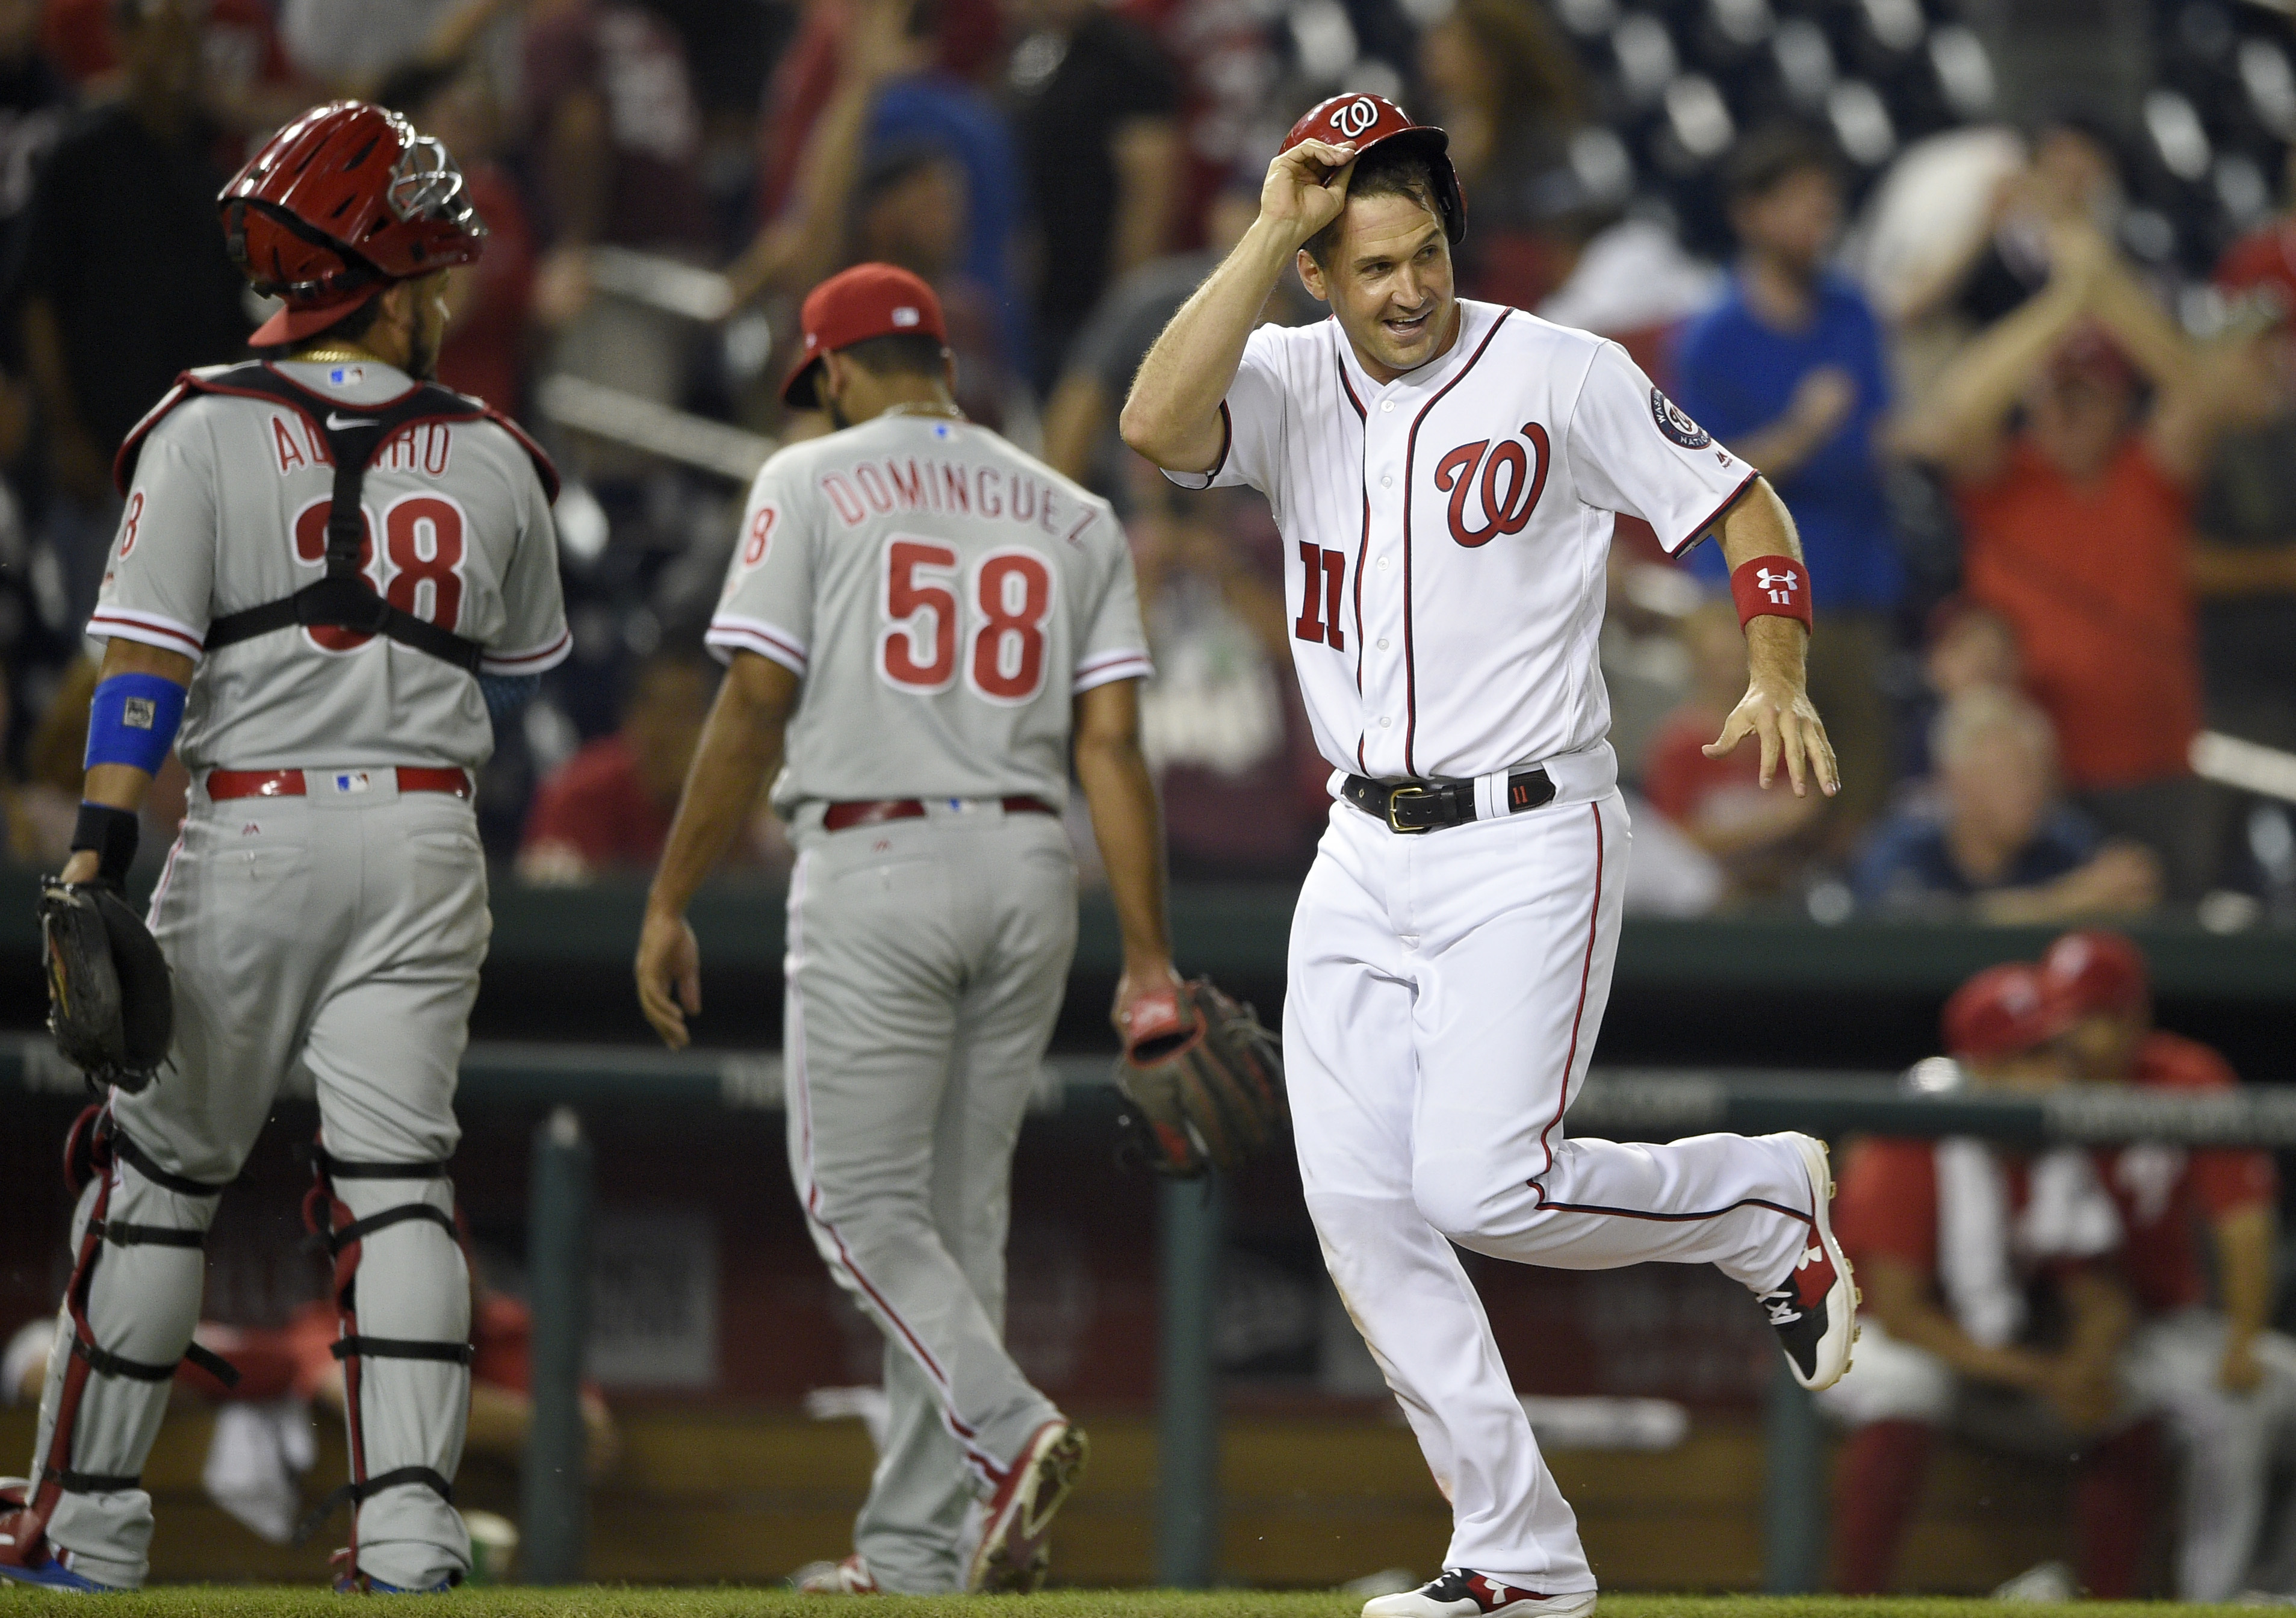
<point x="1771" y="587"/>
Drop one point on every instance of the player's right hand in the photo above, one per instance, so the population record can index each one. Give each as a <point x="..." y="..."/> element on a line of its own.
<point x="1306" y="187"/>
<point x="670" y="976"/>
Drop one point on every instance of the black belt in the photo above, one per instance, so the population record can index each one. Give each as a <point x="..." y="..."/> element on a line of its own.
<point x="1430" y="806"/>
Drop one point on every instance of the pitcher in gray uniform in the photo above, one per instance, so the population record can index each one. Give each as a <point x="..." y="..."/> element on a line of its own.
<point x="917" y="619"/>
<point x="328" y="569"/>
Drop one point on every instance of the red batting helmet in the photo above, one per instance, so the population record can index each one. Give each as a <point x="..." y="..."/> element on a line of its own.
<point x="341" y="202"/>
<point x="1371" y="121"/>
<point x="2096" y="971"/>
<point x="2001" y="1012"/>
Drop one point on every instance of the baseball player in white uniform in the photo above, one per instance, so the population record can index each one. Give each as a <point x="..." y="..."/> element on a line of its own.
<point x="1446" y="472"/>
<point x="917" y="621"/>
<point x="323" y="561"/>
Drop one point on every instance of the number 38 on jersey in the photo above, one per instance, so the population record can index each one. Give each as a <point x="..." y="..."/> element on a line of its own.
<point x="985" y="623"/>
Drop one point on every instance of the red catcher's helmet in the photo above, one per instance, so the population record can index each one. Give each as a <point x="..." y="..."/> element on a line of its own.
<point x="337" y="206"/>
<point x="2001" y="1012"/>
<point x="1370" y="120"/>
<point x="2096" y="971"/>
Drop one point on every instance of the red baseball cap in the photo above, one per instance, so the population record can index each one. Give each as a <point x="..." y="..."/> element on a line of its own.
<point x="1371" y="120"/>
<point x="2003" y="1010"/>
<point x="853" y="306"/>
<point x="2094" y="971"/>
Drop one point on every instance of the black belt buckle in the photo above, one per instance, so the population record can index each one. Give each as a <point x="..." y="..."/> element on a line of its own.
<point x="1397" y="796"/>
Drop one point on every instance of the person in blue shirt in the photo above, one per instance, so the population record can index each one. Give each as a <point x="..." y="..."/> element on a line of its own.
<point x="1787" y="370"/>
<point x="1998" y="843"/>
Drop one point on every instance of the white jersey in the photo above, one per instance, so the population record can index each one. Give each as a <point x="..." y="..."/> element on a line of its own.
<point x="945" y="598"/>
<point x="228" y="510"/>
<point x="1451" y="530"/>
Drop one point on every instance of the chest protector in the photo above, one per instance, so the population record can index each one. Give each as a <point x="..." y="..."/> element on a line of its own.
<point x="341" y="597"/>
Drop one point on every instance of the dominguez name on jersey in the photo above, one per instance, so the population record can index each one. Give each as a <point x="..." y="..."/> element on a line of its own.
<point x="951" y="488"/>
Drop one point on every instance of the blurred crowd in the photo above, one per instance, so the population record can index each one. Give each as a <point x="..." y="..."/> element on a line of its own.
<point x="2014" y="347"/>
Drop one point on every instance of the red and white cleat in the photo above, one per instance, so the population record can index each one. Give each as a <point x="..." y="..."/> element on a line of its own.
<point x="850" y="1577"/>
<point x="1461" y="1592"/>
<point x="1815" y="1309"/>
<point x="1013" y="1553"/>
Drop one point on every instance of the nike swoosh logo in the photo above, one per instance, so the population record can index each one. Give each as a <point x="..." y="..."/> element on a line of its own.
<point x="337" y="423"/>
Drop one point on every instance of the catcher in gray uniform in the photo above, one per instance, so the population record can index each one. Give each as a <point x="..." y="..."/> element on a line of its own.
<point x="326" y="570"/>
<point x="917" y="618"/>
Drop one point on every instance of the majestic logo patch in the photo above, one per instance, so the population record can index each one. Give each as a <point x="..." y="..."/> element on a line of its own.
<point x="1678" y="428"/>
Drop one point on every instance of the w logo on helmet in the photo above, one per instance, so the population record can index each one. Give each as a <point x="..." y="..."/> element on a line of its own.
<point x="1507" y="501"/>
<point x="1352" y="117"/>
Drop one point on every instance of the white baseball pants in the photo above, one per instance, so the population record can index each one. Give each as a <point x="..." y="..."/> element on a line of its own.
<point x="344" y="929"/>
<point x="1446" y="992"/>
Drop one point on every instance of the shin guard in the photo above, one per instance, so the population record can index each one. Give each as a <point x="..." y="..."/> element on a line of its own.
<point x="402" y="1288"/>
<point x="130" y="1322"/>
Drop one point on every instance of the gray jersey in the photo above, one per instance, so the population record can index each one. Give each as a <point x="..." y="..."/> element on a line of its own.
<point x="229" y="510"/>
<point x="945" y="598"/>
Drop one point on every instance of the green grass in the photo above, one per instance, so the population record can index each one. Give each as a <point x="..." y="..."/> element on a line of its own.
<point x="244" y="1601"/>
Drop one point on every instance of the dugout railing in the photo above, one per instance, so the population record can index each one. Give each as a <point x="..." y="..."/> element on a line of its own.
<point x="1619" y="1104"/>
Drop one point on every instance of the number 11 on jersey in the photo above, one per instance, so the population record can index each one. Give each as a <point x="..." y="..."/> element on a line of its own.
<point x="1319" y="611"/>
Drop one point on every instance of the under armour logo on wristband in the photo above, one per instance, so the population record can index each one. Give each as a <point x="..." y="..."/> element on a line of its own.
<point x="1773" y="585"/>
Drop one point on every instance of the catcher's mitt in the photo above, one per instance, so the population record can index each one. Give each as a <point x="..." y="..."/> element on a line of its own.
<point x="1203" y="1078"/>
<point x="111" y="1007"/>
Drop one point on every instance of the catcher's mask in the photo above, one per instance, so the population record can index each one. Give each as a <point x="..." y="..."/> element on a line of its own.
<point x="337" y="206"/>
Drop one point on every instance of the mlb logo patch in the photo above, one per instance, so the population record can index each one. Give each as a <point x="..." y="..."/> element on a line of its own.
<point x="352" y="781"/>
<point x="346" y="377"/>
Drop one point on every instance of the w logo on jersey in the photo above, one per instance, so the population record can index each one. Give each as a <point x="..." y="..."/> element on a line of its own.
<point x="1508" y="491"/>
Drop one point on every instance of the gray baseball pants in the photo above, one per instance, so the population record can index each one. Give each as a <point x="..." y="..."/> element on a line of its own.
<point x="345" y="928"/>
<point x="927" y="960"/>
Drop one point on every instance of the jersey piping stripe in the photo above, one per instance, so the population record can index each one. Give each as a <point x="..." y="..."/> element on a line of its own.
<point x="1678" y="1219"/>
<point x="529" y="663"/>
<point x="804" y="1101"/>
<point x="1107" y="671"/>
<point x="148" y="628"/>
<point x="1709" y="521"/>
<point x="1410" y="664"/>
<point x="1363" y="545"/>
<point x="1585" y="972"/>
<point x="748" y="635"/>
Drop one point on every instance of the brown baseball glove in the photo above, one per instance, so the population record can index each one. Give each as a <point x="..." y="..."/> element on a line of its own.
<point x="111" y="1004"/>
<point x="1203" y="1081"/>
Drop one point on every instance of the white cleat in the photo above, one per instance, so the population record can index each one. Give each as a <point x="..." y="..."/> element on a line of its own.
<point x="1461" y="1592"/>
<point x="850" y="1577"/>
<point x="1815" y="1309"/>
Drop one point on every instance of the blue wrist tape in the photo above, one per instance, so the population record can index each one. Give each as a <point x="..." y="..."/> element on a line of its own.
<point x="132" y="721"/>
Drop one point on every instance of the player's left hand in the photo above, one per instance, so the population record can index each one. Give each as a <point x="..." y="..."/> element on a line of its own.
<point x="1775" y="709"/>
<point x="2240" y="1373"/>
<point x="670" y="976"/>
